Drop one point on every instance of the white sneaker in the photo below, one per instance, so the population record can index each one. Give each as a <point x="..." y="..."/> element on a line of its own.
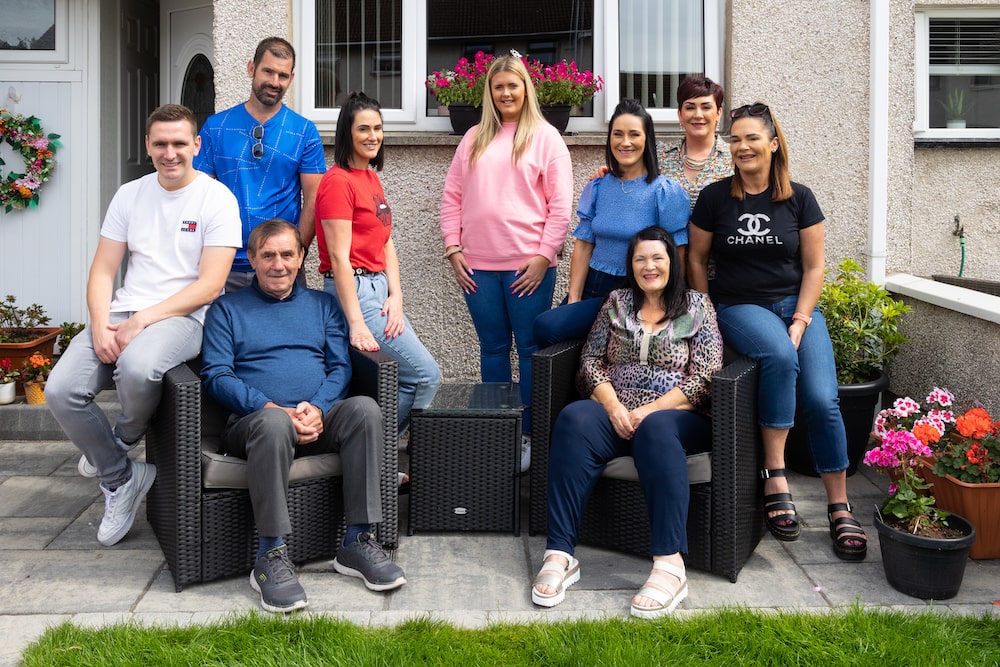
<point x="88" y="469"/>
<point x="525" y="453"/>
<point x="121" y="505"/>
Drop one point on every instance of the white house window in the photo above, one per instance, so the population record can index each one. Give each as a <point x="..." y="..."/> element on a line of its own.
<point x="34" y="32"/>
<point x="958" y="74"/>
<point x="641" y="48"/>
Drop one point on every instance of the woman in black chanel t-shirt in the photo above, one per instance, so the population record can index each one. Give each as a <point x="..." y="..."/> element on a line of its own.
<point x="765" y="234"/>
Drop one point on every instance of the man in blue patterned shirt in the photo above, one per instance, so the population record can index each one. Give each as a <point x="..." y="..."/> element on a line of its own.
<point x="268" y="155"/>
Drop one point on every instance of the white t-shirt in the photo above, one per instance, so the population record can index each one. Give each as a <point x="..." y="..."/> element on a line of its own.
<point x="165" y="232"/>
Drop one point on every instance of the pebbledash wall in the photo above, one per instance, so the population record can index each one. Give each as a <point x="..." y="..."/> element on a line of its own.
<point x="814" y="69"/>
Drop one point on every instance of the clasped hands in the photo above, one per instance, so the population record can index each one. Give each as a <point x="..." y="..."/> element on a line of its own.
<point x="625" y="421"/>
<point x="307" y="420"/>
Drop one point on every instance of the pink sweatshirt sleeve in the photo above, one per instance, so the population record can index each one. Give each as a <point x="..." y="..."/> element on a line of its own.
<point x="451" y="198"/>
<point x="557" y="183"/>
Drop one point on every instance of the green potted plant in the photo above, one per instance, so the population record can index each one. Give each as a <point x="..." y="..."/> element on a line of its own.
<point x="460" y="89"/>
<point x="955" y="108"/>
<point x="23" y="332"/>
<point x="863" y="320"/>
<point x="924" y="548"/>
<point x="963" y="469"/>
<point x="561" y="87"/>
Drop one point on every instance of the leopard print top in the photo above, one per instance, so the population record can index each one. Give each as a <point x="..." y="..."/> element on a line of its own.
<point x="685" y="354"/>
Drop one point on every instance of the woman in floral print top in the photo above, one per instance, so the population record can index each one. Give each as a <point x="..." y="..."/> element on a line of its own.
<point x="646" y="369"/>
<point x="702" y="156"/>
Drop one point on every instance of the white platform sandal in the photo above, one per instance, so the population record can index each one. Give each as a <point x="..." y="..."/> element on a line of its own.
<point x="555" y="576"/>
<point x="655" y="589"/>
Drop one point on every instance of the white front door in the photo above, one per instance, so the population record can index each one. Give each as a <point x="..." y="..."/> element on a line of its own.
<point x="188" y="61"/>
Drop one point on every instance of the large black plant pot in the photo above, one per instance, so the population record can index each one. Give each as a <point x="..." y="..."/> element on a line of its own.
<point x="928" y="568"/>
<point x="463" y="116"/>
<point x="858" y="406"/>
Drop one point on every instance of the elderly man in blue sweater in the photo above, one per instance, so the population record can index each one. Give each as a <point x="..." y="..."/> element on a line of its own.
<point x="276" y="356"/>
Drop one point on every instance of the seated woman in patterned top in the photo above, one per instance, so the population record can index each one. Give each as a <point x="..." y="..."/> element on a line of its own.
<point x="646" y="369"/>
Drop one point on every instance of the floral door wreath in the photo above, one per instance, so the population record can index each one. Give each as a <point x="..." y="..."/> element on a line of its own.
<point x="25" y="135"/>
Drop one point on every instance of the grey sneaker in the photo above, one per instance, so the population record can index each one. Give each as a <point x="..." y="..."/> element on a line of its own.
<point x="274" y="578"/>
<point x="366" y="559"/>
<point x="121" y="504"/>
<point x="87" y="469"/>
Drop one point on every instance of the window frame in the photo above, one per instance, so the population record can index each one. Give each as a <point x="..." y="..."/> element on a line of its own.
<point x="58" y="55"/>
<point x="413" y="116"/>
<point x="921" y="96"/>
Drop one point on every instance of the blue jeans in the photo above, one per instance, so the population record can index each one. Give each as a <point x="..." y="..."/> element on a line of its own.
<point x="806" y="377"/>
<point x="496" y="314"/>
<point x="138" y="375"/>
<point x="583" y="441"/>
<point x="419" y="375"/>
<point x="570" y="321"/>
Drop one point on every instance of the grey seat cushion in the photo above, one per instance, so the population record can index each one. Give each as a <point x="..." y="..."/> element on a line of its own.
<point x="699" y="468"/>
<point x="221" y="471"/>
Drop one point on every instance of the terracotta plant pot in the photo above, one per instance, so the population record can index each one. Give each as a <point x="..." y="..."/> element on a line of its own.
<point x="979" y="503"/>
<point x="20" y="352"/>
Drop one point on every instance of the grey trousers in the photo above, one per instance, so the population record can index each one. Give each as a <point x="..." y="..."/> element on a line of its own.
<point x="268" y="442"/>
<point x="138" y="375"/>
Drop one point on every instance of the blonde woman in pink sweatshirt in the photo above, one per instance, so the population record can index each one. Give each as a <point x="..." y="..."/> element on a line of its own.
<point x="504" y="216"/>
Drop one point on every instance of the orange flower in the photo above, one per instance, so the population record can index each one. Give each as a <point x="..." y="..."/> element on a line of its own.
<point x="926" y="433"/>
<point x="37" y="360"/>
<point x="976" y="423"/>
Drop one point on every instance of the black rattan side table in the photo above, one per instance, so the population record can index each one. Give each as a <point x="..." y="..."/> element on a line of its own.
<point x="465" y="457"/>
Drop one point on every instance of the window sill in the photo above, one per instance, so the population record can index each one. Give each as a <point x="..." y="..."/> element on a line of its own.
<point x="956" y="142"/>
<point x="961" y="300"/>
<point x="448" y="139"/>
<point x="412" y="138"/>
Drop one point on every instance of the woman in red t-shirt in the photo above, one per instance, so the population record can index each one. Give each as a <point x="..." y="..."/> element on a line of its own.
<point x="357" y="257"/>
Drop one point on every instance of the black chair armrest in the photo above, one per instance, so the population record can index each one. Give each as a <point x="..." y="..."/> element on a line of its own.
<point x="553" y="387"/>
<point x="737" y="501"/>
<point x="376" y="374"/>
<point x="173" y="445"/>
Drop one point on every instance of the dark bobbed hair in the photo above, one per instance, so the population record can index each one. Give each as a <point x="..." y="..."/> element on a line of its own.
<point x="265" y="230"/>
<point x="633" y="108"/>
<point x="343" y="142"/>
<point x="699" y="86"/>
<point x="277" y="47"/>
<point x="673" y="298"/>
<point x="171" y="113"/>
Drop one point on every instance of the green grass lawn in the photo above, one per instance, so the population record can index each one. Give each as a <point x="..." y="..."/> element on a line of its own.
<point x="851" y="636"/>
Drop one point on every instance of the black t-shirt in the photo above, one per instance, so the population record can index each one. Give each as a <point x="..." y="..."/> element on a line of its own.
<point x="755" y="242"/>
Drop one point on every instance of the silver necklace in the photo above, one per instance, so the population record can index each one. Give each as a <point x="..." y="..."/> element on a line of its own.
<point x="695" y="164"/>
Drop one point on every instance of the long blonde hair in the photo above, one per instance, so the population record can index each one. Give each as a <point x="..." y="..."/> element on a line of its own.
<point x="491" y="122"/>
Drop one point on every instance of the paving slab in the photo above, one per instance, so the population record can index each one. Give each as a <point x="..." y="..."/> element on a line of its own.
<point x="49" y="517"/>
<point x="49" y="582"/>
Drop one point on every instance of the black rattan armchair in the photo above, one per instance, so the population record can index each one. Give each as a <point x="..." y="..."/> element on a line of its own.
<point x="208" y="533"/>
<point x="725" y="519"/>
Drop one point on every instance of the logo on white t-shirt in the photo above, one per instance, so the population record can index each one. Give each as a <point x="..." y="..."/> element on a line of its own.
<point x="189" y="226"/>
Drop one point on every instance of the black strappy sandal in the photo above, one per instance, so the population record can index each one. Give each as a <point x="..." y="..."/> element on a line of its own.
<point x="845" y="530"/>
<point x="784" y="527"/>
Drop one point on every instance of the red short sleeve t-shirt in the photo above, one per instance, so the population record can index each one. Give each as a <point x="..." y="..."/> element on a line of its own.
<point x="355" y="195"/>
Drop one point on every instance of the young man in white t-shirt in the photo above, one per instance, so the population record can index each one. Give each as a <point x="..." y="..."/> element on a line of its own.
<point x="181" y="229"/>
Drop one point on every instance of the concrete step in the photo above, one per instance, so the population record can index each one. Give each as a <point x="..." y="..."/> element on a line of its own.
<point x="20" y="421"/>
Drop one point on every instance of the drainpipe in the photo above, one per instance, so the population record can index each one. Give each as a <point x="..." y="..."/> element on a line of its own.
<point x="878" y="142"/>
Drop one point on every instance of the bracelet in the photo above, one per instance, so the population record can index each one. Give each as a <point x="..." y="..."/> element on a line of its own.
<point x="805" y="319"/>
<point x="452" y="251"/>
